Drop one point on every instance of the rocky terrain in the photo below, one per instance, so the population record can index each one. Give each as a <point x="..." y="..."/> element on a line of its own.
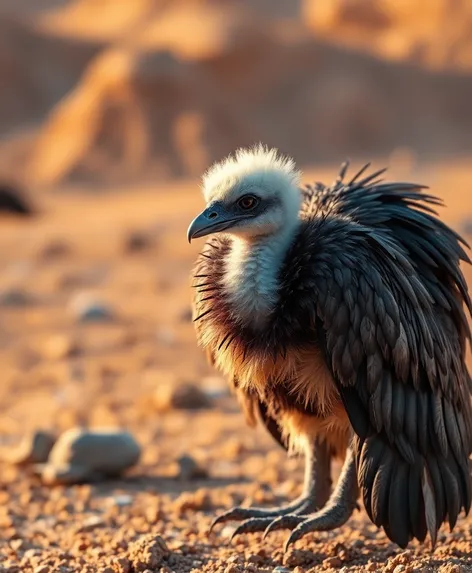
<point x="95" y="330"/>
<point x="109" y="112"/>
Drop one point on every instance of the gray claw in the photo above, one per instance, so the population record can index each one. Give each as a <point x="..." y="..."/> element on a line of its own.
<point x="283" y="522"/>
<point x="252" y="525"/>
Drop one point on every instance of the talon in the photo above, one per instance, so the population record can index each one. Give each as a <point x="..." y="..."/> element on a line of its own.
<point x="235" y="514"/>
<point x="215" y="522"/>
<point x="235" y="532"/>
<point x="294" y="536"/>
<point x="252" y="525"/>
<point x="283" y="522"/>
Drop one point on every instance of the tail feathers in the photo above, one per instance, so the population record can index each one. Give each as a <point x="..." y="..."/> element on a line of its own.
<point x="410" y="500"/>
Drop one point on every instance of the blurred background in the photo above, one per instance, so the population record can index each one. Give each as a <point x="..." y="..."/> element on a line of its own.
<point x="109" y="112"/>
<point x="102" y="91"/>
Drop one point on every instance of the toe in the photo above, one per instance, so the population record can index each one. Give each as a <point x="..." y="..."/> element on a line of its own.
<point x="296" y="534"/>
<point x="283" y="522"/>
<point x="236" y="513"/>
<point x="252" y="525"/>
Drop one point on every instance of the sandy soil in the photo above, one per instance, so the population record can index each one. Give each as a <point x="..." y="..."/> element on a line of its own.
<point x="58" y="372"/>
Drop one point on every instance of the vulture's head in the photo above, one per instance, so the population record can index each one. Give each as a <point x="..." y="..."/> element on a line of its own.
<point x="251" y="194"/>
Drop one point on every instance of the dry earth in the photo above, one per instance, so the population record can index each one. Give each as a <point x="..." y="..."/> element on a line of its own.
<point x="146" y="90"/>
<point x="128" y="249"/>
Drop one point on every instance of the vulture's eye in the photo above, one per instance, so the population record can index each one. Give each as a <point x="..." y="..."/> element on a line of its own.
<point x="247" y="202"/>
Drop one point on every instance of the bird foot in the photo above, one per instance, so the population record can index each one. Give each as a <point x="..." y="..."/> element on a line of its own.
<point x="330" y="517"/>
<point x="285" y="521"/>
<point x="258" y="519"/>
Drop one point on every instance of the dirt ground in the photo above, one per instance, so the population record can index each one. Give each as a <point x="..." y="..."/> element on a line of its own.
<point x="58" y="372"/>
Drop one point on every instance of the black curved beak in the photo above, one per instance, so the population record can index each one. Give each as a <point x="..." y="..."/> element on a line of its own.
<point x="212" y="220"/>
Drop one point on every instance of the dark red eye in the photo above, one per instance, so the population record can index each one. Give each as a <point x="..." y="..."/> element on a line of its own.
<point x="247" y="202"/>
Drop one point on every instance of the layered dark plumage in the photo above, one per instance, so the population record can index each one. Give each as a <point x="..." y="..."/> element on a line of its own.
<point x="372" y="284"/>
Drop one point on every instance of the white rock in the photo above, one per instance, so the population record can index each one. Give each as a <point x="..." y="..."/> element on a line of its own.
<point x="90" y="455"/>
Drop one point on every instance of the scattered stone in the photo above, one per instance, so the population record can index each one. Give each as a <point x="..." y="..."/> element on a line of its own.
<point x="232" y="449"/>
<point x="190" y="470"/>
<point x="185" y="396"/>
<point x="281" y="570"/>
<point x="333" y="562"/>
<point x="81" y="455"/>
<point x="147" y="552"/>
<point x="33" y="449"/>
<point x="17" y="544"/>
<point x="121" y="500"/>
<point x="90" y="523"/>
<point x="138" y="241"/>
<point x="58" y="347"/>
<point x="88" y="309"/>
<point x="15" y="297"/>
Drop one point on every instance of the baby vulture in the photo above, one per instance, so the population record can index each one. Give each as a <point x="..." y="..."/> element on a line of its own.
<point x="339" y="316"/>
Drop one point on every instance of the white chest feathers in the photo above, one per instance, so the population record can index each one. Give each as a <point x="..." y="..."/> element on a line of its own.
<point x="252" y="278"/>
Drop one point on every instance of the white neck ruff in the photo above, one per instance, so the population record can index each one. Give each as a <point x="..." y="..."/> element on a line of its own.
<point x="251" y="279"/>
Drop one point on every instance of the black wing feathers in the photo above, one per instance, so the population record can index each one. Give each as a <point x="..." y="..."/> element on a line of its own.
<point x="390" y="308"/>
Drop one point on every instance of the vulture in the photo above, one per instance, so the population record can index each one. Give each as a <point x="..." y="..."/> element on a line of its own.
<point x="340" y="315"/>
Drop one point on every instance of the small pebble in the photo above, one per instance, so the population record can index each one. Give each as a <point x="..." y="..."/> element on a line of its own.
<point x="87" y="309"/>
<point x="81" y="455"/>
<point x="90" y="523"/>
<point x="33" y="449"/>
<point x="58" y="347"/>
<point x="180" y="397"/>
<point x="332" y="562"/>
<point x="15" y="297"/>
<point x="147" y="552"/>
<point x="137" y="241"/>
<point x="121" y="500"/>
<point x="17" y="544"/>
<point x="189" y="469"/>
<point x="281" y="570"/>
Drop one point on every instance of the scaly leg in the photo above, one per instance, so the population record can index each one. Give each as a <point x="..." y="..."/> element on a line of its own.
<point x="316" y="491"/>
<point x="335" y="513"/>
